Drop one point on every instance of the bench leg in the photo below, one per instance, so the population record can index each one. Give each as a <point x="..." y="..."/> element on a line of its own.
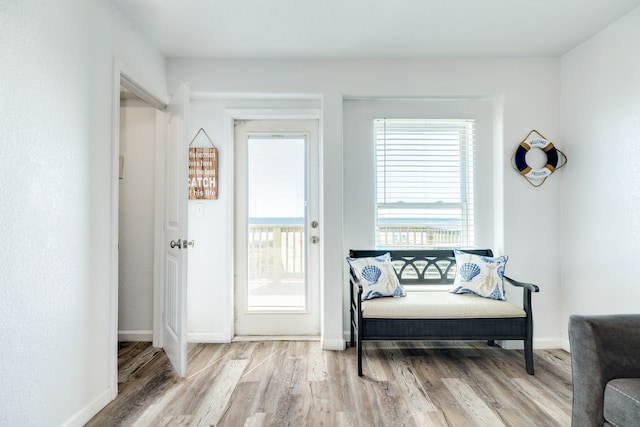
<point x="491" y="343"/>
<point x="528" y="355"/>
<point x="352" y="340"/>
<point x="359" y="355"/>
<point x="528" y="341"/>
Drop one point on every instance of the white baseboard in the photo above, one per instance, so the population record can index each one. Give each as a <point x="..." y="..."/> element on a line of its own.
<point x="88" y="412"/>
<point x="547" y="343"/>
<point x="135" y="335"/>
<point x="538" y="344"/>
<point x="334" y="344"/>
<point x="251" y="338"/>
<point x="510" y="345"/>
<point x="207" y="337"/>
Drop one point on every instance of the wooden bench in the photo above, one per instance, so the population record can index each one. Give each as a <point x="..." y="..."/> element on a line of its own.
<point x="431" y="312"/>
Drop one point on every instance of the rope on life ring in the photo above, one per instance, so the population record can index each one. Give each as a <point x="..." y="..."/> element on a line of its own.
<point x="519" y="159"/>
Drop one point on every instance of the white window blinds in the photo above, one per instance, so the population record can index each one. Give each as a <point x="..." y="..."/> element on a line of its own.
<point x="424" y="175"/>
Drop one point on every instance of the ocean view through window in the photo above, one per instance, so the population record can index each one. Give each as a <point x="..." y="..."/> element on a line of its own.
<point x="424" y="182"/>
<point x="275" y="223"/>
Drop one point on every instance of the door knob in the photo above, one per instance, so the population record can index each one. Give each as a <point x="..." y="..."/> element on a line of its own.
<point x="315" y="239"/>
<point x="175" y="244"/>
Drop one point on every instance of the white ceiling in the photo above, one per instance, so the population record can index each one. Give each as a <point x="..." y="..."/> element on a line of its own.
<point x="369" y="29"/>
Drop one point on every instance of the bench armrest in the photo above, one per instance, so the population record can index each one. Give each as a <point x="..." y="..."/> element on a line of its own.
<point x="530" y="286"/>
<point x="356" y="289"/>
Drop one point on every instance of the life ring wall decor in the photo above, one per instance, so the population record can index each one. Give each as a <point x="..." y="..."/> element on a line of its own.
<point x="555" y="158"/>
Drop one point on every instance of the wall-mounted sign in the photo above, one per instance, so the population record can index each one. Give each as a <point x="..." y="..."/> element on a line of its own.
<point x="203" y="173"/>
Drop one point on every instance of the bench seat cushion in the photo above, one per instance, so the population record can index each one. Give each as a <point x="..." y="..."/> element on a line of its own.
<point x="439" y="305"/>
<point x="622" y="402"/>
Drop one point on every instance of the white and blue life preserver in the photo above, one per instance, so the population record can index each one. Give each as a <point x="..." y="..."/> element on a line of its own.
<point x="521" y="161"/>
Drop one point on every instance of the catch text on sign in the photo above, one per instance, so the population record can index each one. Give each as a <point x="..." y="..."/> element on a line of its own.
<point x="203" y="173"/>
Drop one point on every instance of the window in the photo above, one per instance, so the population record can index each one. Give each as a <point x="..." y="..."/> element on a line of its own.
<point x="424" y="178"/>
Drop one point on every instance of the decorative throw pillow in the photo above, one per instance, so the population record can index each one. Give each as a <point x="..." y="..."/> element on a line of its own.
<point x="377" y="275"/>
<point x="479" y="275"/>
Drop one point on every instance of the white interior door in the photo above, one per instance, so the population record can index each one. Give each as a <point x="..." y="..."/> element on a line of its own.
<point x="276" y="228"/>
<point x="174" y="247"/>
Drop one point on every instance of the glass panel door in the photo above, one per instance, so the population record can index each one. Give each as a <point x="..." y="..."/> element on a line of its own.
<point x="277" y="253"/>
<point x="276" y="222"/>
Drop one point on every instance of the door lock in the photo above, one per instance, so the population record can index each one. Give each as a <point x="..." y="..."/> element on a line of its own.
<point x="180" y="243"/>
<point x="315" y="239"/>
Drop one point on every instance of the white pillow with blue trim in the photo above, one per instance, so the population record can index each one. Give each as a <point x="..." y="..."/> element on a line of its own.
<point x="377" y="275"/>
<point x="479" y="275"/>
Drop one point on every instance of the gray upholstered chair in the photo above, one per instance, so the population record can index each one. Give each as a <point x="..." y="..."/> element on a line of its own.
<point x="605" y="363"/>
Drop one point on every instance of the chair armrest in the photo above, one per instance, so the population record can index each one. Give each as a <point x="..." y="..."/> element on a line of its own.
<point x="602" y="348"/>
<point x="529" y="286"/>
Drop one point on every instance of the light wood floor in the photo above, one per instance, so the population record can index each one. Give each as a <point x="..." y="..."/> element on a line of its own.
<point x="277" y="383"/>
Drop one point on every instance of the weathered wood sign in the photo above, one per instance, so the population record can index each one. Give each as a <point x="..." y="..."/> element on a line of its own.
<point x="203" y="173"/>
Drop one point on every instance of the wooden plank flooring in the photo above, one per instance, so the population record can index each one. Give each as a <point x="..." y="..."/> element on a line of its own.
<point x="280" y="383"/>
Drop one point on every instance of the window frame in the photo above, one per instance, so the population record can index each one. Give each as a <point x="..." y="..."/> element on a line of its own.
<point x="428" y="233"/>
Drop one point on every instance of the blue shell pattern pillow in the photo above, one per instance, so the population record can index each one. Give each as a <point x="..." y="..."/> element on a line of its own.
<point x="377" y="275"/>
<point x="479" y="275"/>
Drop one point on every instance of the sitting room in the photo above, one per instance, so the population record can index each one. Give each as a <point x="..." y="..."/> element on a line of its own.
<point x="358" y="171"/>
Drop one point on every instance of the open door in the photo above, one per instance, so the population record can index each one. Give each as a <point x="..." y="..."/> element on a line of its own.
<point x="174" y="232"/>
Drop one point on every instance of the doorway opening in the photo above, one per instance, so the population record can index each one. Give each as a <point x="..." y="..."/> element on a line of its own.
<point x="136" y="216"/>
<point x="125" y="90"/>
<point x="168" y="166"/>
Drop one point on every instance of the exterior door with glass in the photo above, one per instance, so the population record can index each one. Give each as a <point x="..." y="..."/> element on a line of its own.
<point x="276" y="228"/>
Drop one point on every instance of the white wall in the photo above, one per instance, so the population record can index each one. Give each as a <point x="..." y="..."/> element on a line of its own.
<point x="525" y="96"/>
<point x="136" y="223"/>
<point x="55" y="198"/>
<point x="600" y="195"/>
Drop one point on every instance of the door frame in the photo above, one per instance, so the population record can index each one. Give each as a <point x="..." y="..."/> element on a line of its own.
<point x="123" y="75"/>
<point x="266" y="322"/>
<point x="230" y="116"/>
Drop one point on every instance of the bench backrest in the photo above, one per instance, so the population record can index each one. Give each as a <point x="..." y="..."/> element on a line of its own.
<point x="422" y="266"/>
